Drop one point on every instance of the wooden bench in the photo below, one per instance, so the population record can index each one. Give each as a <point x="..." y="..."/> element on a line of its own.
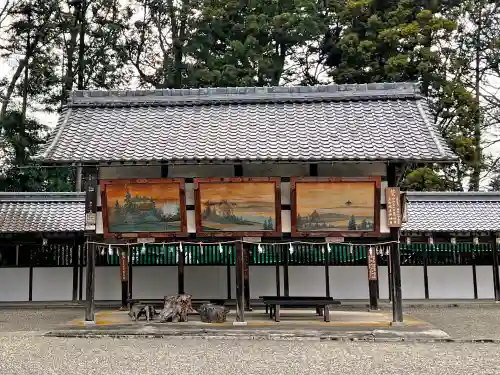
<point x="321" y="304"/>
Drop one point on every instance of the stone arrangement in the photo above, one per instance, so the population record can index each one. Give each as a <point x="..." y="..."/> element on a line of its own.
<point x="137" y="310"/>
<point x="176" y="308"/>
<point x="210" y="313"/>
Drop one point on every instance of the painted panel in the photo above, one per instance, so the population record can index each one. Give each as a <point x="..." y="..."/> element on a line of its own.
<point x="484" y="277"/>
<point x="335" y="205"/>
<point x="15" y="284"/>
<point x="206" y="281"/>
<point x="349" y="282"/>
<point x="154" y="282"/>
<point x="263" y="281"/>
<point x="128" y="172"/>
<point x="238" y="206"/>
<point x="52" y="283"/>
<point x="383" y="282"/>
<point x="412" y="282"/>
<point x="306" y="281"/>
<point x="450" y="282"/>
<point x="143" y="206"/>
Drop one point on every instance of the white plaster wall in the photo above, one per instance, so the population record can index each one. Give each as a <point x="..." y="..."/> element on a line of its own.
<point x="14" y="284"/>
<point x="206" y="281"/>
<point x="450" y="282"/>
<point x="275" y="170"/>
<point x="262" y="281"/>
<point x="52" y="283"/>
<point x="99" y="225"/>
<point x="306" y="281"/>
<point x="286" y="221"/>
<point x="348" y="282"/>
<point x="383" y="282"/>
<point x="412" y="282"/>
<point x="484" y="278"/>
<point x="191" y="221"/>
<point x="154" y="282"/>
<point x="383" y="186"/>
<point x="189" y="192"/>
<point x="351" y="169"/>
<point x="285" y="193"/>
<point x="129" y="172"/>
<point x="108" y="285"/>
<point x="383" y="222"/>
<point x="201" y="171"/>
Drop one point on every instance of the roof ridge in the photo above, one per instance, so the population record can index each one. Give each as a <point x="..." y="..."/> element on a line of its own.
<point x="42" y="197"/>
<point x="220" y="95"/>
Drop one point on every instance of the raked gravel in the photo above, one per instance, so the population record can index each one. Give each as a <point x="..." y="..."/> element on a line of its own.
<point x="40" y="355"/>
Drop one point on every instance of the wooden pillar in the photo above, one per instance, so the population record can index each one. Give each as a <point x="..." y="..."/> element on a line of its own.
<point x="372" y="278"/>
<point x="180" y="270"/>
<point x="397" y="302"/>
<point x="327" y="271"/>
<point x="286" y="278"/>
<point x="496" y="276"/>
<point x="430" y="244"/>
<point x="228" y="270"/>
<point x="240" y="316"/>
<point x="90" y="287"/>
<point x="74" y="258"/>
<point x="246" y="276"/>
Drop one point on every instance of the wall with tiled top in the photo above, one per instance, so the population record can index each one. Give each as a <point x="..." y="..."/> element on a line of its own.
<point x="249" y="170"/>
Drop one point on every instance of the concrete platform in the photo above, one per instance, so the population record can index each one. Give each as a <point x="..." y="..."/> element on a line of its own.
<point x="295" y="324"/>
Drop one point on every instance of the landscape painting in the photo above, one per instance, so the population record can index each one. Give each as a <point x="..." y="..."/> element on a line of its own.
<point x="335" y="206"/>
<point x="237" y="206"/>
<point x="143" y="207"/>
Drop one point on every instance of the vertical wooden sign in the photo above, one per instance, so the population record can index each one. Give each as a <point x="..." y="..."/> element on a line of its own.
<point x="372" y="265"/>
<point x="393" y="201"/>
<point x="123" y="267"/>
<point x="90" y="199"/>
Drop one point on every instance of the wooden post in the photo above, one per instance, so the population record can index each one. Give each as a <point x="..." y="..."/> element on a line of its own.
<point x="246" y="276"/>
<point x="180" y="271"/>
<point x="277" y="258"/>
<point x="124" y="277"/>
<point x="286" y="280"/>
<point x="240" y="316"/>
<point x="496" y="276"/>
<point x="327" y="271"/>
<point x="74" y="257"/>
<point x="228" y="270"/>
<point x="430" y="243"/>
<point x="393" y="201"/>
<point x="372" y="278"/>
<point x="90" y="303"/>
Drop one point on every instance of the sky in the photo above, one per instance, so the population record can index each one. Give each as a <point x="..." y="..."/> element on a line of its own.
<point x="160" y="193"/>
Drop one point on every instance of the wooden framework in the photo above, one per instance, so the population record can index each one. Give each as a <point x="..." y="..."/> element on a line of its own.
<point x="376" y="180"/>
<point x="182" y="196"/>
<point x="277" y="205"/>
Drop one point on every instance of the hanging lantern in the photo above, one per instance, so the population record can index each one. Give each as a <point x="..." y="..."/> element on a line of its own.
<point x="163" y="248"/>
<point x="328" y="246"/>
<point x="110" y="250"/>
<point x="498" y="240"/>
<point x="431" y="241"/>
<point x="221" y="249"/>
<point x="180" y="247"/>
<point x="408" y="240"/>
<point x="260" y="249"/>
<point x="387" y="250"/>
<point x="290" y="248"/>
<point x="322" y="249"/>
<point x="453" y="240"/>
<point x="44" y="241"/>
<point x="143" y="248"/>
<point x="201" y="248"/>
<point x="351" y="248"/>
<point x="476" y="240"/>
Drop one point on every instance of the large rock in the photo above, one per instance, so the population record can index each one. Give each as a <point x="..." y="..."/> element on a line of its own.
<point x="210" y="313"/>
<point x="176" y="308"/>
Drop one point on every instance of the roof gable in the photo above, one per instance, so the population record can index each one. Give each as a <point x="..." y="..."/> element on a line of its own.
<point x="320" y="123"/>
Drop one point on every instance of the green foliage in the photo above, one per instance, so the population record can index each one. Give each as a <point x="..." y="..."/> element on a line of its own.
<point x="352" y="224"/>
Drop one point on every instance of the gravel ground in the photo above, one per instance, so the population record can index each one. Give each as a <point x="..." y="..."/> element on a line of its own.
<point x="39" y="355"/>
<point x="36" y="319"/>
<point x="474" y="322"/>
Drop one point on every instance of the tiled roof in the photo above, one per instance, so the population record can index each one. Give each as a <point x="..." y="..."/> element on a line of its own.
<point x="42" y="212"/>
<point x="322" y="123"/>
<point x="453" y="212"/>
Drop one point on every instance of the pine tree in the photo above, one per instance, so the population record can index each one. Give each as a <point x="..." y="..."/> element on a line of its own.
<point x="352" y="224"/>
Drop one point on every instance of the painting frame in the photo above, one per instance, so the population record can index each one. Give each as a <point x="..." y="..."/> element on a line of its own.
<point x="376" y="180"/>
<point x="147" y="181"/>
<point x="277" y="207"/>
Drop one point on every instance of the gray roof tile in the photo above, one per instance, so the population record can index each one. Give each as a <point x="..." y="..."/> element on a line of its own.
<point x="453" y="212"/>
<point x="42" y="212"/>
<point x="337" y="122"/>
